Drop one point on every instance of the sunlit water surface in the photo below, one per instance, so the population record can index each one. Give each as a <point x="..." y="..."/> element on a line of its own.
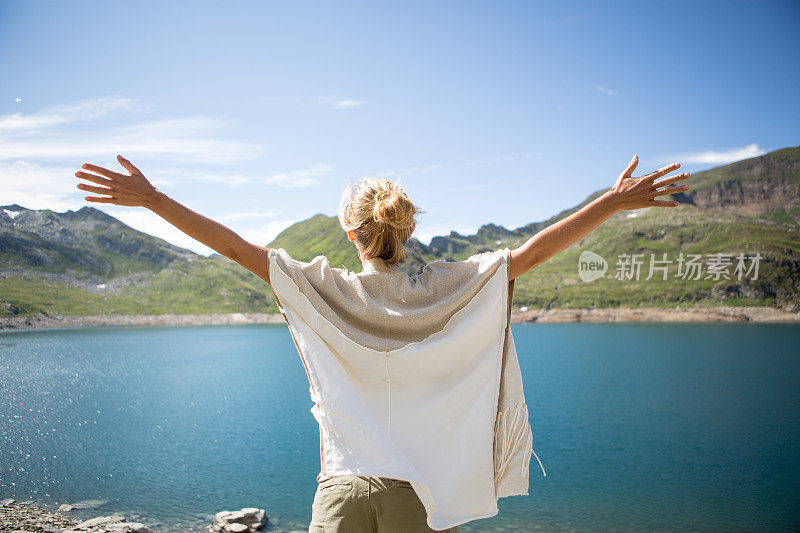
<point x="641" y="427"/>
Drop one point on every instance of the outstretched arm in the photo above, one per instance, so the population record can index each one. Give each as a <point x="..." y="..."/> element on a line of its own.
<point x="627" y="193"/>
<point x="135" y="190"/>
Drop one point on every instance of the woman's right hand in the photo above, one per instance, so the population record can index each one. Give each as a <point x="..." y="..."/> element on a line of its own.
<point x="128" y="190"/>
<point x="636" y="193"/>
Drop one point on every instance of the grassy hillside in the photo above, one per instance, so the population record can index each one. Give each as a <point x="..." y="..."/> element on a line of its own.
<point x="767" y="186"/>
<point x="86" y="262"/>
<point x="657" y="231"/>
<point x="686" y="228"/>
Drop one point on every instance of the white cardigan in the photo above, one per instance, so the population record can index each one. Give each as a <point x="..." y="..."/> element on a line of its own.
<point x="413" y="377"/>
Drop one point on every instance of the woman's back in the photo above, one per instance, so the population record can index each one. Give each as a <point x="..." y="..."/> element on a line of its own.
<point x="405" y="374"/>
<point x="382" y="307"/>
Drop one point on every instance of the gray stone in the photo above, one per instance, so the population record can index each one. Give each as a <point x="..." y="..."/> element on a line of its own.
<point x="127" y="527"/>
<point x="6" y="502"/>
<point x="248" y="519"/>
<point x="100" y="521"/>
<point x="87" y="504"/>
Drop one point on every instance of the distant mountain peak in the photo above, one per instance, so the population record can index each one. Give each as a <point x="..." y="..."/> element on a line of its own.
<point x="91" y="213"/>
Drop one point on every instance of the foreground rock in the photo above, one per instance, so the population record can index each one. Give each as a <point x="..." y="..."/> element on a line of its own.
<point x="244" y="520"/>
<point x="85" y="504"/>
<point x="109" y="524"/>
<point x="21" y="516"/>
<point x="25" y="517"/>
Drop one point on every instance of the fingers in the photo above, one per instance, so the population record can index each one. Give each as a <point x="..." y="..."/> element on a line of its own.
<point x="91" y="188"/>
<point x="662" y="171"/>
<point x="672" y="189"/>
<point x="128" y="166"/>
<point x="672" y="179"/>
<point x="102" y="200"/>
<point x="92" y="177"/>
<point x="631" y="167"/>
<point x="100" y="170"/>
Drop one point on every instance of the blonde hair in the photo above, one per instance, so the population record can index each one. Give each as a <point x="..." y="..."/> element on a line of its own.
<point x="382" y="216"/>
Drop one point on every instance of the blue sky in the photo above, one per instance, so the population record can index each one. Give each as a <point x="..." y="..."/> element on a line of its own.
<point x="257" y="114"/>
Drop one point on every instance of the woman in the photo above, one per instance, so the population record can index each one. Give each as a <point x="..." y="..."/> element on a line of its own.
<point x="402" y="368"/>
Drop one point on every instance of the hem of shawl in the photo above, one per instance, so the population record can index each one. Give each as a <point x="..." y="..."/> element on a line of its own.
<point x="435" y="524"/>
<point x="306" y="364"/>
<point x="506" y="324"/>
<point x="462" y="521"/>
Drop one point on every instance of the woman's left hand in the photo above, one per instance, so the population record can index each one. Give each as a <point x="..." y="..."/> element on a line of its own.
<point x="132" y="189"/>
<point x="636" y="193"/>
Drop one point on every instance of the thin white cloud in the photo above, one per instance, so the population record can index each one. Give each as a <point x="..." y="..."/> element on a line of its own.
<point x="39" y="187"/>
<point x="712" y="157"/>
<point x="35" y="146"/>
<point x="18" y="100"/>
<point x="152" y="224"/>
<point x="81" y="111"/>
<point x="56" y="189"/>
<point x="231" y="180"/>
<point x="246" y="216"/>
<point x="263" y="235"/>
<point x="339" y="103"/>
<point x="425" y="234"/>
<point x="183" y="138"/>
<point x="300" y="178"/>
<point x="606" y="91"/>
<point x="55" y="186"/>
<point x="291" y="179"/>
<point x="330" y="102"/>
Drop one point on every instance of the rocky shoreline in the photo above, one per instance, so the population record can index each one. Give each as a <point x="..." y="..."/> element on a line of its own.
<point x="655" y="314"/>
<point x="622" y="314"/>
<point x="22" y="517"/>
<point x="30" y="517"/>
<point x="82" y="321"/>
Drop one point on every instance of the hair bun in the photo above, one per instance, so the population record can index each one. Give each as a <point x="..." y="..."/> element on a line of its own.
<point x="391" y="206"/>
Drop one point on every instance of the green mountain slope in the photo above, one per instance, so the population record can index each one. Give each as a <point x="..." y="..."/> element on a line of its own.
<point x="86" y="262"/>
<point x="760" y="186"/>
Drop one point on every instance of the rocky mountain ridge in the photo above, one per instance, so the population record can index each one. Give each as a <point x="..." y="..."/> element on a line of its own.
<point x="87" y="262"/>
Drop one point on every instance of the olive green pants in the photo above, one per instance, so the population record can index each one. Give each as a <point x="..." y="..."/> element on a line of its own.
<point x="368" y="504"/>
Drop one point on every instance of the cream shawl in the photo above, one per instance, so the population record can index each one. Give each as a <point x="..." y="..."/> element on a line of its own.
<point x="413" y="377"/>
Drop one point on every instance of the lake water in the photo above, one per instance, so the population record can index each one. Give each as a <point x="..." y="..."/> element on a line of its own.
<point x="641" y="427"/>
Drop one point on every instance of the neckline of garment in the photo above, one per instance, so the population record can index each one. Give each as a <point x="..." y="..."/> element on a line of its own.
<point x="378" y="265"/>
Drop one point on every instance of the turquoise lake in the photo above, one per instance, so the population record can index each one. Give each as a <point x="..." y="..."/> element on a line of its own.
<point x="640" y="427"/>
